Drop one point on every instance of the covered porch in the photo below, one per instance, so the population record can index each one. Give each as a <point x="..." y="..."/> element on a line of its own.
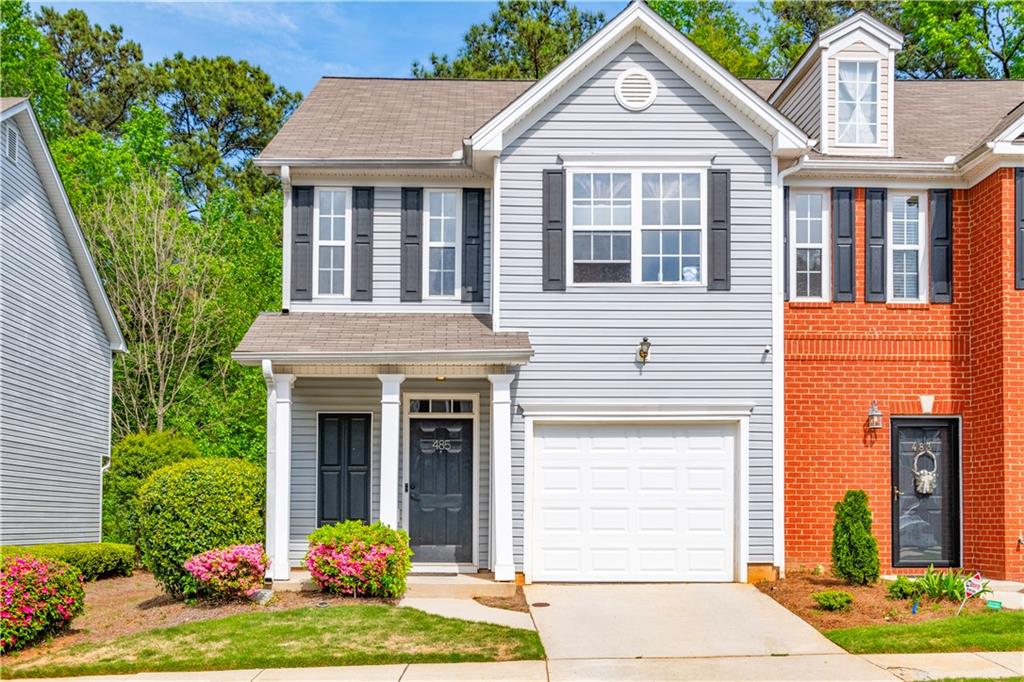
<point x="401" y="418"/>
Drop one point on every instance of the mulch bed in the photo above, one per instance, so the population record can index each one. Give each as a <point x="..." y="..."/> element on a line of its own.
<point x="871" y="605"/>
<point x="514" y="603"/>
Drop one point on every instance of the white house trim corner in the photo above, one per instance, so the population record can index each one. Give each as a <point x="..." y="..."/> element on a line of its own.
<point x="501" y="464"/>
<point x="390" y="428"/>
<point x="279" y="446"/>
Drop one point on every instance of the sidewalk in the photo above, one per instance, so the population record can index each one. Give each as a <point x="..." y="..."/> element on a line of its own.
<point x="838" y="667"/>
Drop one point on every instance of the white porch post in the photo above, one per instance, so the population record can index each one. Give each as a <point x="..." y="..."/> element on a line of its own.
<point x="501" y="465"/>
<point x="279" y="474"/>
<point x="390" y="427"/>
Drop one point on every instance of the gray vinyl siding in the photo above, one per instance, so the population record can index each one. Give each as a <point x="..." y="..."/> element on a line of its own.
<point x="803" y="105"/>
<point x="707" y="345"/>
<point x="387" y="233"/>
<point x="55" y="370"/>
<point x="312" y="395"/>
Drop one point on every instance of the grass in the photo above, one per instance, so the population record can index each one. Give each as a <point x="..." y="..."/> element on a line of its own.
<point x="997" y="631"/>
<point x="359" y="634"/>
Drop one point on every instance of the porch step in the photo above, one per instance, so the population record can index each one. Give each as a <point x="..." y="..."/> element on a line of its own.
<point x="461" y="586"/>
<point x="1009" y="592"/>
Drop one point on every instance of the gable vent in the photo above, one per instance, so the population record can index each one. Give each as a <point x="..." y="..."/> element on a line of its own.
<point x="11" y="144"/>
<point x="636" y="89"/>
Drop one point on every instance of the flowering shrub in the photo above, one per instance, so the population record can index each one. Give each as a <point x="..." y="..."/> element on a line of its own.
<point x="37" y="598"/>
<point x="230" y="572"/>
<point x="359" y="560"/>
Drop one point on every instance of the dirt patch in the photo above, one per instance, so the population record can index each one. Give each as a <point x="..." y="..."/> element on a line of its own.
<point x="871" y="605"/>
<point x="516" y="602"/>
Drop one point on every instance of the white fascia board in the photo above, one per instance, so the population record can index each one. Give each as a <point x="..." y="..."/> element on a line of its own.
<point x="863" y="21"/>
<point x="39" y="151"/>
<point x="505" y="357"/>
<point x="796" y="73"/>
<point x="635" y="410"/>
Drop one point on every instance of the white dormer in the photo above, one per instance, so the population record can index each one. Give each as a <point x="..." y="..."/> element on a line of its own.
<point x="843" y="88"/>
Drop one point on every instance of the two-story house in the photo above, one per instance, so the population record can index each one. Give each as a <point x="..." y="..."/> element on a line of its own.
<point x="541" y="325"/>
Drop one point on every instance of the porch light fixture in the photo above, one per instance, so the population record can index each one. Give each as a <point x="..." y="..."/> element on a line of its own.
<point x="874" y="416"/>
<point x="440" y="377"/>
<point x="644" y="352"/>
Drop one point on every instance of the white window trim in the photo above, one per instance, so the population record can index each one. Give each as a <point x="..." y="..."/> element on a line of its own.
<point x="456" y="294"/>
<point x="636" y="226"/>
<point x="826" y="248"/>
<point x="878" y="104"/>
<point x="347" y="243"/>
<point x="923" y="285"/>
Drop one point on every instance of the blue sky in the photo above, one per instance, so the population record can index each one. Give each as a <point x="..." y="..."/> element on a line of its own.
<point x="297" y="42"/>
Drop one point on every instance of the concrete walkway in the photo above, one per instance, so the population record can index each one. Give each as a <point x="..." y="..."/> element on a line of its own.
<point x="469" y="609"/>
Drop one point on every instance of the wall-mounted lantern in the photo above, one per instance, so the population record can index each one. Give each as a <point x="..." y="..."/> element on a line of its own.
<point x="874" y="416"/>
<point x="643" y="353"/>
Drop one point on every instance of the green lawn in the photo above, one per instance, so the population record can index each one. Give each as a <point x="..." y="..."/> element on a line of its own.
<point x="361" y="634"/>
<point x="997" y="631"/>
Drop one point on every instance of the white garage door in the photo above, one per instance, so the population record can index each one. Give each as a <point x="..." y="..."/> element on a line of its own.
<point x="633" y="502"/>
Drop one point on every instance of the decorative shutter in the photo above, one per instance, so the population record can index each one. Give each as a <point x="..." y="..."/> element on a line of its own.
<point x="1019" y="229"/>
<point x="844" y="243"/>
<point x="874" y="248"/>
<point x="412" y="244"/>
<point x="362" y="244"/>
<point x="553" y="230"/>
<point x="302" y="243"/>
<point x="472" y="245"/>
<point x="718" y="230"/>
<point x="785" y="243"/>
<point x="940" y="211"/>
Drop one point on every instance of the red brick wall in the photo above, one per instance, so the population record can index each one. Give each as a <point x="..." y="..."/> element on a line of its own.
<point x="841" y="356"/>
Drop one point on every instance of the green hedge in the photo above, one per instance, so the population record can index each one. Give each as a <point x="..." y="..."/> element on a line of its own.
<point x="94" y="559"/>
<point x="194" y="506"/>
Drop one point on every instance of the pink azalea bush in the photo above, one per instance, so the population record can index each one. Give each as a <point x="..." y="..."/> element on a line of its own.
<point x="359" y="560"/>
<point x="38" y="597"/>
<point x="229" y="572"/>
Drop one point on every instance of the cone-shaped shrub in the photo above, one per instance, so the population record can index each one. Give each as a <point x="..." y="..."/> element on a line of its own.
<point x="854" y="548"/>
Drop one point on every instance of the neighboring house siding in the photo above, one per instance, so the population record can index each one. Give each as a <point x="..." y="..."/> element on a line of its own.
<point x="803" y="105"/>
<point x="55" y="372"/>
<point x="708" y="346"/>
<point x="312" y="395"/>
<point x="859" y="52"/>
<point x="387" y="233"/>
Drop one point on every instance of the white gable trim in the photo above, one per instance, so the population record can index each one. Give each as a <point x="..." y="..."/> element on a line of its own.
<point x="863" y="21"/>
<point x="23" y="116"/>
<point x="636" y="22"/>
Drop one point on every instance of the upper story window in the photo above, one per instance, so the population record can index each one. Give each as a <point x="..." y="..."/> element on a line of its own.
<point x="808" y="257"/>
<point x="443" y="228"/>
<point x="617" y="239"/>
<point x="332" y="255"/>
<point x="906" y="252"/>
<point x="857" y="103"/>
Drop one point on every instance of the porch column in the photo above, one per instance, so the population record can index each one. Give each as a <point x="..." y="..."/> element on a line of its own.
<point x="390" y="427"/>
<point x="279" y="473"/>
<point x="501" y="466"/>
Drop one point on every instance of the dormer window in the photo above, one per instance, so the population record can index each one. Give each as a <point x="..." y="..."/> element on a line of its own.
<point x="857" y="95"/>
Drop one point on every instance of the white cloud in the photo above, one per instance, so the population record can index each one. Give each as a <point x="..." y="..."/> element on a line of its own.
<point x="262" y="17"/>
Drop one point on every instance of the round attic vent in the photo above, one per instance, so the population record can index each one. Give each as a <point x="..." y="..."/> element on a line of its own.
<point x="636" y="89"/>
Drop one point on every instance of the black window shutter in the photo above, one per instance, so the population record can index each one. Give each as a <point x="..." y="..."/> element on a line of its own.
<point x="553" y="229"/>
<point x="472" y="245"/>
<point x="785" y="243"/>
<point x="302" y="244"/>
<point x="844" y="243"/>
<point x="941" y="266"/>
<point x="362" y="244"/>
<point x="412" y="244"/>
<point x="718" y="230"/>
<point x="1018" y="226"/>
<point x="874" y="248"/>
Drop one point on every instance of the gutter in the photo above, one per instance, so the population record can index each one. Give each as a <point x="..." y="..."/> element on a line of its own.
<point x="361" y="163"/>
<point x="509" y="357"/>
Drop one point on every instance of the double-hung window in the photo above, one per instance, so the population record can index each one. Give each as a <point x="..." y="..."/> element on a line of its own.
<point x="332" y="255"/>
<point x="857" y="103"/>
<point x="442" y="222"/>
<point x="809" y="257"/>
<point x="907" y="264"/>
<point x="640" y="227"/>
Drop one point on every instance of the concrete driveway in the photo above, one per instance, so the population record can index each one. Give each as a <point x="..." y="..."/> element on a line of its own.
<point x="668" y="621"/>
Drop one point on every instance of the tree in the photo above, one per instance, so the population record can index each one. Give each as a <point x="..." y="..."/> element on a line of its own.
<point x="105" y="73"/>
<point x="522" y="39"/>
<point x="29" y="68"/>
<point x="854" y="548"/>
<point x="715" y="27"/>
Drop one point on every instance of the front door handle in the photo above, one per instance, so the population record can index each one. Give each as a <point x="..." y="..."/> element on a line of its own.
<point x="896" y="493"/>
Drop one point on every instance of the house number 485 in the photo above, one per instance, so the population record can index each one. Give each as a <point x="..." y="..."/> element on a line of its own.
<point x="443" y="445"/>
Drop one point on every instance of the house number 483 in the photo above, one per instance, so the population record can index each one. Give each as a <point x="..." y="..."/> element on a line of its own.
<point x="443" y="445"/>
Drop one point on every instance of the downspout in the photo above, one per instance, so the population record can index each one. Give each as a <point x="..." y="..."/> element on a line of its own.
<point x="286" y="240"/>
<point x="105" y="458"/>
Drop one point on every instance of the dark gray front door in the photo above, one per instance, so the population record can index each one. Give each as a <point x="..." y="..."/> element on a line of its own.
<point x="343" y="467"/>
<point x="926" y="523"/>
<point x="441" y="490"/>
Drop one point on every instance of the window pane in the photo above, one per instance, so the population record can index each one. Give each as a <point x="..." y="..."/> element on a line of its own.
<point x="621" y="185"/>
<point x="331" y="266"/>
<point x="436" y="283"/>
<point x="325" y="228"/>
<point x="435" y="259"/>
<point x="650" y="269"/>
<point x="581" y="246"/>
<point x="448" y="232"/>
<point x="602" y="186"/>
<point x="670" y="241"/>
<point x="650" y="242"/>
<point x="435" y="204"/>
<point x="670" y="213"/>
<point x="602" y="215"/>
<point x="670" y="186"/>
<point x="325" y="282"/>
<point x="581" y="215"/>
<point x="691" y="213"/>
<point x="652" y="212"/>
<point x="602" y="246"/>
<point x="435" y="229"/>
<point x="620" y="246"/>
<point x="651" y="183"/>
<point x="691" y="186"/>
<point x="581" y="186"/>
<point x="691" y="269"/>
<point x="601" y="272"/>
<point x="662" y="261"/>
<point x="441" y="275"/>
<point x="621" y="215"/>
<point x="691" y="243"/>
<point x="449" y="282"/>
<point x="670" y="269"/>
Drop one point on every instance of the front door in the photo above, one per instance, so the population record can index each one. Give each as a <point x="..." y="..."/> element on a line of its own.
<point x="441" y="490"/>
<point x="926" y="492"/>
<point x="343" y="468"/>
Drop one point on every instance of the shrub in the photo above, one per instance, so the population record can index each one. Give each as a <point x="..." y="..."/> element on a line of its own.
<point x="194" y="506"/>
<point x="132" y="460"/>
<point x="854" y="548"/>
<point x="903" y="588"/>
<point x="94" y="559"/>
<point x="833" y="600"/>
<point x="938" y="585"/>
<point x="229" y="573"/>
<point x="353" y="558"/>
<point x="38" y="597"/>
